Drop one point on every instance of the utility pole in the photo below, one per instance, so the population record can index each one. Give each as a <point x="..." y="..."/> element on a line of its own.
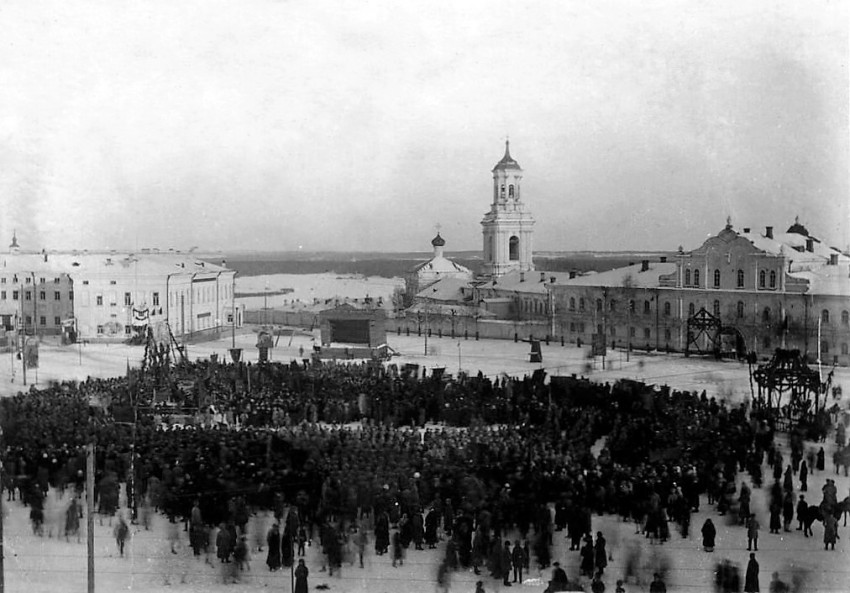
<point x="90" y="514"/>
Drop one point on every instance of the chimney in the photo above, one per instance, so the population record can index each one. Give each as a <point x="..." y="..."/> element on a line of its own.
<point x="572" y="274"/>
<point x="644" y="265"/>
<point x="522" y="276"/>
<point x="746" y="229"/>
<point x="663" y="259"/>
<point x="810" y="245"/>
<point x="768" y="232"/>
<point x="543" y="276"/>
<point x="833" y="259"/>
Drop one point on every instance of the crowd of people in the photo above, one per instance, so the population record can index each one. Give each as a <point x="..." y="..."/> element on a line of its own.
<point x="338" y="452"/>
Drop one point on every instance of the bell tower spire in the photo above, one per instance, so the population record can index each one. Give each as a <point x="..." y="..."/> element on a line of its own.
<point x="507" y="227"/>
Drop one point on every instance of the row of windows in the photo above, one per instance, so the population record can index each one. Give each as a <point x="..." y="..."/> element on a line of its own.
<point x="29" y="279"/>
<point x="42" y="320"/>
<point x="42" y="295"/>
<point x="766" y="279"/>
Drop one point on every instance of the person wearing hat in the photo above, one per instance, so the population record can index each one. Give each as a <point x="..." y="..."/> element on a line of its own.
<point x="751" y="580"/>
<point x="559" y="580"/>
<point x="301" y="573"/>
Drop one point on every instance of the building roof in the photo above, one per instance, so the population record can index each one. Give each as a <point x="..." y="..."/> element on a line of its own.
<point x="528" y="282"/>
<point x="507" y="161"/>
<point x="631" y="275"/>
<point x="440" y="265"/>
<point x="109" y="263"/>
<point x="445" y="289"/>
<point x="827" y="280"/>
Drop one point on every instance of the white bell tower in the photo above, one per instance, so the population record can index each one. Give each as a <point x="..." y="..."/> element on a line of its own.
<point x="507" y="227"/>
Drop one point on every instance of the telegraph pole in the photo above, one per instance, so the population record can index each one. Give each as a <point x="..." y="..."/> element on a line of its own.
<point x="90" y="514"/>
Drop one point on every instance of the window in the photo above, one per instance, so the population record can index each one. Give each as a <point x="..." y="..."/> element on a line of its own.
<point x="581" y="328"/>
<point x="41" y="280"/>
<point x="156" y="299"/>
<point x="572" y="327"/>
<point x="667" y="309"/>
<point x="127" y="330"/>
<point x="716" y="308"/>
<point x="824" y="347"/>
<point x="845" y="318"/>
<point x="99" y="329"/>
<point x="824" y="316"/>
<point x="765" y="315"/>
<point x="844" y="349"/>
<point x="612" y="305"/>
<point x="28" y="280"/>
<point x="761" y="279"/>
<point x="112" y="282"/>
<point x="14" y="295"/>
<point x="716" y="278"/>
<point x="99" y="300"/>
<point x="740" y="309"/>
<point x="631" y="306"/>
<point x="57" y="280"/>
<point x="772" y="279"/>
<point x="740" y="278"/>
<point x="128" y="299"/>
<point x="57" y="320"/>
<point x="3" y="280"/>
<point x="581" y="304"/>
<point x="687" y="277"/>
<point x="667" y="335"/>
<point x="646" y="333"/>
<point x="85" y="281"/>
<point x="42" y="320"/>
<point x="27" y="295"/>
<point x="42" y="295"/>
<point x="57" y="296"/>
<point x="70" y="295"/>
<point x="572" y="303"/>
<point x="28" y="320"/>
<point x="691" y="310"/>
<point x="696" y="278"/>
<point x="766" y="343"/>
<point x="647" y="308"/>
<point x="599" y="304"/>
<point x="2" y="295"/>
<point x="513" y="248"/>
<point x="613" y="331"/>
<point x="511" y="191"/>
<point x="503" y="190"/>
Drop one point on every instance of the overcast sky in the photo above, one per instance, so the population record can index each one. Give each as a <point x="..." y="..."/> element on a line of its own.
<point x="257" y="124"/>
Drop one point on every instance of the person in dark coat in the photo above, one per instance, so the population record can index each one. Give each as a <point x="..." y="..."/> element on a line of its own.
<point x="518" y="561"/>
<point x="587" y="554"/>
<point x="751" y="580"/>
<point x="802" y="506"/>
<point x="505" y="564"/>
<point x="273" y="542"/>
<point x="600" y="553"/>
<point x="709" y="533"/>
<point x="787" y="511"/>
<point x="821" y="460"/>
<point x="382" y="533"/>
<point x="432" y="521"/>
<point x="804" y="477"/>
<point x="301" y="573"/>
<point x="775" y="517"/>
<point x="657" y="585"/>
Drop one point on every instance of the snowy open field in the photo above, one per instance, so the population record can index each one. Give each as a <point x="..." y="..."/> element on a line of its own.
<point x="41" y="564"/>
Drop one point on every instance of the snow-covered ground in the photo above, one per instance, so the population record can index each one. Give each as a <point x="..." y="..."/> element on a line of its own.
<point x="42" y="564"/>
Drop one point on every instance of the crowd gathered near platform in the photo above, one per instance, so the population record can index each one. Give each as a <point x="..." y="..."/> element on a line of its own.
<point x="364" y="458"/>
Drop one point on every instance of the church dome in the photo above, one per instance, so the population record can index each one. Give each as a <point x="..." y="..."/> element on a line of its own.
<point x="798" y="228"/>
<point x="507" y="161"/>
<point x="438" y="241"/>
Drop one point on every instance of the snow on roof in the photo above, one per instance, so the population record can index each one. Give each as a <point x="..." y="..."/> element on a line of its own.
<point x="446" y="289"/>
<point x="440" y="265"/>
<point x="110" y="263"/>
<point x="617" y="277"/>
<point x="528" y="282"/>
<point x="827" y="280"/>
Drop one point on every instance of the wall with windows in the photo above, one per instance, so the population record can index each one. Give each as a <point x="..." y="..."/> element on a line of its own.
<point x="36" y="301"/>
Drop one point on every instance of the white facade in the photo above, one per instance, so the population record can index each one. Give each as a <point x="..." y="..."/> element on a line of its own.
<point x="508" y="226"/>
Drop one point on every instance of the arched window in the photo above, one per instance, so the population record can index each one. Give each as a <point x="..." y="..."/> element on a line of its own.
<point x="691" y="310"/>
<point x="599" y="304"/>
<point x="824" y="316"/>
<point x="647" y="308"/>
<point x="581" y="304"/>
<point x="696" y="277"/>
<point x="717" y="308"/>
<point x="646" y="333"/>
<point x="824" y="347"/>
<point x="845" y="318"/>
<point x="631" y="305"/>
<point x="687" y="277"/>
<point x="667" y="335"/>
<point x="511" y="191"/>
<point x="740" y="278"/>
<point x="740" y="309"/>
<point x="612" y="305"/>
<point x="503" y="191"/>
<point x="765" y="315"/>
<point x="761" y="278"/>
<point x="572" y="303"/>
<point x="716" y="278"/>
<point x="772" y="279"/>
<point x="667" y="309"/>
<point x="513" y="248"/>
<point x="631" y="332"/>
